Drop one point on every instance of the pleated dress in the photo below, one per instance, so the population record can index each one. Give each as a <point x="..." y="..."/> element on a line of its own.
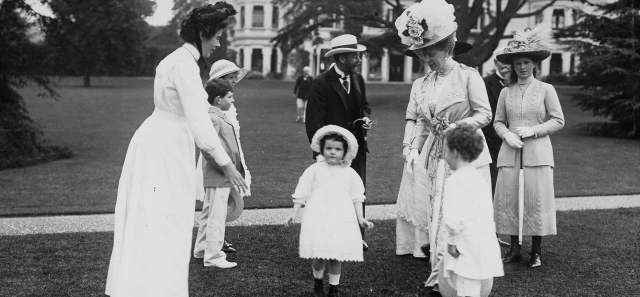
<point x="154" y="212"/>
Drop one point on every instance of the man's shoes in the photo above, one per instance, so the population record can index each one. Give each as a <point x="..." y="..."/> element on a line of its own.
<point x="318" y="288"/>
<point x="333" y="291"/>
<point x="535" y="261"/>
<point x="227" y="248"/>
<point x="425" y="248"/>
<point x="365" y="246"/>
<point x="512" y="256"/>
<point x="224" y="264"/>
<point x="503" y="243"/>
<point x="433" y="292"/>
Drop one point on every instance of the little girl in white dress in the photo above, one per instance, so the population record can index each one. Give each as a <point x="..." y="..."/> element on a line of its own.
<point x="330" y="190"/>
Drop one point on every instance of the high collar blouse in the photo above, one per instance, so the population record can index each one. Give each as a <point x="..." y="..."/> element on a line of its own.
<point x="178" y="90"/>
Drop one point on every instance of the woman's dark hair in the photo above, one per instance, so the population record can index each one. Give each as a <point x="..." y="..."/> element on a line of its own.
<point x="446" y="45"/>
<point x="217" y="87"/>
<point x="464" y="140"/>
<point x="513" y="77"/>
<point x="207" y="20"/>
<point x="334" y="137"/>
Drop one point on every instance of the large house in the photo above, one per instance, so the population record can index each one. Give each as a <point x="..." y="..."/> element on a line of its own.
<point x="258" y="22"/>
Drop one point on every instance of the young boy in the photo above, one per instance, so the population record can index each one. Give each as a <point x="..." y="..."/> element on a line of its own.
<point x="217" y="186"/>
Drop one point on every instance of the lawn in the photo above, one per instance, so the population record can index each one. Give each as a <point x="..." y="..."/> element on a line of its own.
<point x="97" y="124"/>
<point x="593" y="255"/>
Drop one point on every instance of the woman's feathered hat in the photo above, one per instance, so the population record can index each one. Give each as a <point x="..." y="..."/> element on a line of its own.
<point x="351" y="152"/>
<point x="426" y="23"/>
<point x="536" y="43"/>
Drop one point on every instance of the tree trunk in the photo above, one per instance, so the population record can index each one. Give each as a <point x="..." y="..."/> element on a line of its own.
<point x="86" y="81"/>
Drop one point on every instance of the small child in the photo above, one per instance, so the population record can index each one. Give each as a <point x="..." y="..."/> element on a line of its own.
<point x="331" y="190"/>
<point x="229" y="71"/>
<point x="217" y="186"/>
<point x="473" y="254"/>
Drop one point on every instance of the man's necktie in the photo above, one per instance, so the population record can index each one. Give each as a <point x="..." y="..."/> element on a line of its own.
<point x="345" y="83"/>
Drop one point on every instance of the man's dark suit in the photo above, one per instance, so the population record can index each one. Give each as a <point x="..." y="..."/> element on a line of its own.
<point x="329" y="104"/>
<point x="493" y="85"/>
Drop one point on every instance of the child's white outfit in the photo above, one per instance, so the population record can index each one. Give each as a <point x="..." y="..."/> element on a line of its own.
<point x="329" y="228"/>
<point x="468" y="221"/>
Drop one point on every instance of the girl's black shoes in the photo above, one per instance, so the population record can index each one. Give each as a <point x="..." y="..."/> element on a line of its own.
<point x="535" y="261"/>
<point x="318" y="288"/>
<point x="333" y="291"/>
<point x="511" y="257"/>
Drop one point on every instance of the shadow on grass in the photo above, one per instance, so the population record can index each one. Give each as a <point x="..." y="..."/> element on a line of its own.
<point x="595" y="254"/>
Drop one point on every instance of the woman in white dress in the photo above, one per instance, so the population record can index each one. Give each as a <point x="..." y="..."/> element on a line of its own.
<point x="155" y="209"/>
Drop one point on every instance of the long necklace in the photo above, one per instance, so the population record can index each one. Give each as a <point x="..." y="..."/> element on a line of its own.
<point x="522" y="92"/>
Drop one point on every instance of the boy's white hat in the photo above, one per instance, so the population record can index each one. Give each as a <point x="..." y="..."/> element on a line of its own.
<point x="223" y="67"/>
<point x="352" y="150"/>
<point x="346" y="43"/>
<point x="235" y="205"/>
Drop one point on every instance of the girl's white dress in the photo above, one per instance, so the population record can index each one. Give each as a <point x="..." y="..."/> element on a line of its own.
<point x="468" y="223"/>
<point x="329" y="228"/>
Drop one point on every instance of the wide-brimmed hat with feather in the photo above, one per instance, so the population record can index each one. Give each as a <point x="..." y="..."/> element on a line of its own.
<point x="536" y="43"/>
<point x="427" y="23"/>
<point x="352" y="143"/>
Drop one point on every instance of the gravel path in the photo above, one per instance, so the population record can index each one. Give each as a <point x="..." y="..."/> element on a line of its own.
<point x="104" y="222"/>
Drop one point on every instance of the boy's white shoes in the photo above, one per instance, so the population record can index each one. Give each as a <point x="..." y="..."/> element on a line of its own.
<point x="221" y="264"/>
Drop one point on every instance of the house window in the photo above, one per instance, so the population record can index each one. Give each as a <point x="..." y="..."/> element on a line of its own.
<point x="539" y="18"/>
<point x="479" y="23"/>
<point x="322" y="18"/>
<point x="557" y="21"/>
<point x="555" y="65"/>
<point x="241" y="16"/>
<point x="276" y="17"/>
<point x="258" y="17"/>
<point x="389" y="15"/>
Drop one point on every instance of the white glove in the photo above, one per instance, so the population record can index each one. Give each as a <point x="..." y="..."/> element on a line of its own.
<point x="405" y="152"/>
<point x="413" y="158"/>
<point x="513" y="140"/>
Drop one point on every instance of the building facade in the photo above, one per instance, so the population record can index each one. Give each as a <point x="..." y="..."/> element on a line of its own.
<point x="258" y="22"/>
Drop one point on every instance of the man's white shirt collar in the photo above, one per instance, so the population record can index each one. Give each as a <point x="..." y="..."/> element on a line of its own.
<point x="341" y="75"/>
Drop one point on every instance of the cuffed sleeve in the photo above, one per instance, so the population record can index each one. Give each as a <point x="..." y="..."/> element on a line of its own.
<point x="195" y="107"/>
<point x="555" y="117"/>
<point x="479" y="102"/>
<point x="500" y="122"/>
<point x="303" y="189"/>
<point x="356" y="190"/>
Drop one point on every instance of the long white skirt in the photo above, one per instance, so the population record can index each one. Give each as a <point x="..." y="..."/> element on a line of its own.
<point x="154" y="211"/>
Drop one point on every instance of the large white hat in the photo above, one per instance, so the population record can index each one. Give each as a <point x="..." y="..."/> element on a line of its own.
<point x="352" y="150"/>
<point x="535" y="43"/>
<point x="426" y="23"/>
<point x="223" y="67"/>
<point x="346" y="43"/>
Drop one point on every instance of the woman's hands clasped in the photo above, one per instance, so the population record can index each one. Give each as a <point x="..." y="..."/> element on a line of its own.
<point x="524" y="131"/>
<point x="513" y="140"/>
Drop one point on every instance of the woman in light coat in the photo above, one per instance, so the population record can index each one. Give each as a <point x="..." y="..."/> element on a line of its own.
<point x="527" y="113"/>
<point x="452" y="93"/>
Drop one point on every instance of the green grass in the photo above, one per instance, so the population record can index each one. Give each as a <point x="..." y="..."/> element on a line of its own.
<point x="97" y="124"/>
<point x="594" y="254"/>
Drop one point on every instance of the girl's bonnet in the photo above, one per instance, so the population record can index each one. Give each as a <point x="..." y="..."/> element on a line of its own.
<point x="352" y="150"/>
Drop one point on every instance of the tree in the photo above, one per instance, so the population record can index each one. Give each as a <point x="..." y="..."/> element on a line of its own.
<point x="97" y="36"/>
<point x="21" y="141"/>
<point x="307" y="16"/>
<point x="609" y="63"/>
